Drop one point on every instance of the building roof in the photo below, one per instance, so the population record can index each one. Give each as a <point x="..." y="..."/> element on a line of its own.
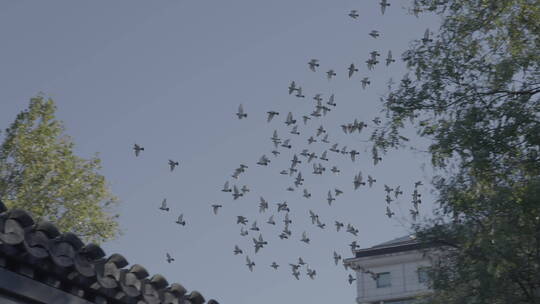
<point x="40" y="251"/>
<point x="410" y="238"/>
<point x="404" y="243"/>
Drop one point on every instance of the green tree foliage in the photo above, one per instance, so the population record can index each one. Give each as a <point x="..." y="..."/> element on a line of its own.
<point x="473" y="90"/>
<point x="40" y="173"/>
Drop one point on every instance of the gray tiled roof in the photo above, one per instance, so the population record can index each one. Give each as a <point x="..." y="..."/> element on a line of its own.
<point x="408" y="239"/>
<point x="61" y="260"/>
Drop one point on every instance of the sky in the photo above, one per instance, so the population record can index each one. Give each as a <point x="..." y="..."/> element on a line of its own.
<point x="170" y="75"/>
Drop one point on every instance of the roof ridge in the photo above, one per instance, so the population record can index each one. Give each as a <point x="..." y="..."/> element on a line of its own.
<point x="40" y="251"/>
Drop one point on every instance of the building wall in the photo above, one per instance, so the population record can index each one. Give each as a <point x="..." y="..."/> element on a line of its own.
<point x="402" y="267"/>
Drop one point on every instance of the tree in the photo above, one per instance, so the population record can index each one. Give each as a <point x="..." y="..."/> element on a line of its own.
<point x="472" y="90"/>
<point x="40" y="173"/>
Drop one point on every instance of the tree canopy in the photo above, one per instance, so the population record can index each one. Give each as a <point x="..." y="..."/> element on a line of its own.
<point x="40" y="173"/>
<point x="473" y="90"/>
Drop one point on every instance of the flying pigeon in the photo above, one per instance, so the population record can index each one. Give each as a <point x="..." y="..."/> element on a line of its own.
<point x="169" y="258"/>
<point x="352" y="69"/>
<point x="271" y="220"/>
<point x="339" y="225"/>
<point x="313" y="63"/>
<point x="249" y="263"/>
<point x="337" y="257"/>
<point x="314" y="217"/>
<point x="164" y="205"/>
<point x="290" y="121"/>
<point x="353" y="14"/>
<point x="263" y="161"/>
<point x="365" y="82"/>
<point x="311" y="273"/>
<point x="384" y="4"/>
<point x="304" y="239"/>
<point x="241" y="220"/>
<point x="237" y="250"/>
<point x="263" y="205"/>
<point x="330" y="74"/>
<point x="226" y="187"/>
<point x="172" y="164"/>
<point x="330" y="198"/>
<point x="295" y="130"/>
<point x="137" y="149"/>
<point x="215" y="208"/>
<point x="240" y="112"/>
<point x="236" y="193"/>
<point x="374" y="33"/>
<point x="259" y="243"/>
<point x="180" y="220"/>
<point x="426" y="38"/>
<point x="331" y="101"/>
<point x="299" y="93"/>
<point x="292" y="87"/>
<point x="271" y="115"/>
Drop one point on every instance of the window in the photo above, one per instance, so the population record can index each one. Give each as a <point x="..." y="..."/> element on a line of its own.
<point x="383" y="280"/>
<point x="423" y="276"/>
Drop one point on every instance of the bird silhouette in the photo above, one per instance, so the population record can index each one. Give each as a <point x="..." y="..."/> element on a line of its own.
<point x="236" y="193"/>
<point x="299" y="93"/>
<point x="137" y="149"/>
<point x="384" y="4"/>
<point x="254" y="226"/>
<point x="313" y="63"/>
<point x="290" y="121"/>
<point x="292" y="87"/>
<point x="426" y="38"/>
<point x="271" y="220"/>
<point x="352" y="69"/>
<point x="259" y="243"/>
<point x="353" y="14"/>
<point x="215" y="208"/>
<point x="172" y="164"/>
<point x="389" y="212"/>
<point x="169" y="258"/>
<point x="351" y="279"/>
<point x="330" y="198"/>
<point x="337" y="257"/>
<point x="304" y="238"/>
<point x="241" y="220"/>
<point x="237" y="250"/>
<point x="274" y="265"/>
<point x="240" y="112"/>
<point x="311" y="273"/>
<point x="226" y="187"/>
<point x="331" y="101"/>
<point x="271" y="115"/>
<point x="389" y="58"/>
<point x="339" y="225"/>
<point x="374" y="33"/>
<point x="249" y="263"/>
<point x="330" y="74"/>
<point x="164" y="205"/>
<point x="263" y="205"/>
<point x="180" y="220"/>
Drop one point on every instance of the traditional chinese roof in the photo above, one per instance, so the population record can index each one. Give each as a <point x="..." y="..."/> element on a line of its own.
<point x="38" y="250"/>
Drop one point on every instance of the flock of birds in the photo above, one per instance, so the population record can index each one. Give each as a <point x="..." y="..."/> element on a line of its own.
<point x="319" y="163"/>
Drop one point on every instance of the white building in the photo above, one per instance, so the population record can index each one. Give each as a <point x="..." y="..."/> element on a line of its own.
<point x="393" y="272"/>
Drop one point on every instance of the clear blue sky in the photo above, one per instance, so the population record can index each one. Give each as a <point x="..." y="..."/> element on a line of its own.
<point x="170" y="75"/>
